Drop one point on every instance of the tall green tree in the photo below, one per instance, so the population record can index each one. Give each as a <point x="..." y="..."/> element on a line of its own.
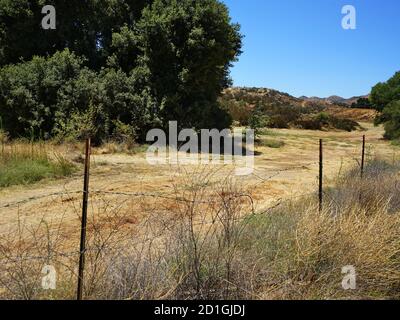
<point x="139" y="62"/>
<point x="83" y="26"/>
<point x="386" y="98"/>
<point x="391" y="114"/>
<point x="184" y="50"/>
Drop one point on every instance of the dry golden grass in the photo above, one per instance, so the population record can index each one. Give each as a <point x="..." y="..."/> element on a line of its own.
<point x="208" y="241"/>
<point x="326" y="244"/>
<point x="359" y="227"/>
<point x="353" y="114"/>
<point x="157" y="247"/>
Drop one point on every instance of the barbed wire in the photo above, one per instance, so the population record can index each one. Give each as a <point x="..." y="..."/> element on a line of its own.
<point x="30" y="199"/>
<point x="166" y="196"/>
<point x="257" y="173"/>
<point x="53" y="254"/>
<point x="144" y="194"/>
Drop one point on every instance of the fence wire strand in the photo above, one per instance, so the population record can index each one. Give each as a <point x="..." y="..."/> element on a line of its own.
<point x="258" y="173"/>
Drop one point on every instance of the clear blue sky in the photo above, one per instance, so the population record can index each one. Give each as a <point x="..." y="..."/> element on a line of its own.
<point x="300" y="47"/>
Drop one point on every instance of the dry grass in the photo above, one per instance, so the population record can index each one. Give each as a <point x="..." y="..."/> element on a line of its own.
<point x="304" y="250"/>
<point x="26" y="163"/>
<point x="123" y="147"/>
<point x="207" y="241"/>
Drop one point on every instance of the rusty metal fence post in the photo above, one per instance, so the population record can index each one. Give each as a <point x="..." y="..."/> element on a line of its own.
<point x="363" y="157"/>
<point x="84" y="220"/>
<point x="321" y="172"/>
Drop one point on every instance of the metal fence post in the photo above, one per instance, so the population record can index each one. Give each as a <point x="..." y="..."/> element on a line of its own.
<point x="84" y="220"/>
<point x="321" y="172"/>
<point x="363" y="157"/>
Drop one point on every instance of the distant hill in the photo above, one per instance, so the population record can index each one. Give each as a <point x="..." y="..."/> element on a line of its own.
<point x="240" y="101"/>
<point x="264" y="95"/>
<point x="275" y="97"/>
<point x="334" y="99"/>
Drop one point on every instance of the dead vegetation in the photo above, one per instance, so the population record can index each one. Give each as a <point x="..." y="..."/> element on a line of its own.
<point x="208" y="240"/>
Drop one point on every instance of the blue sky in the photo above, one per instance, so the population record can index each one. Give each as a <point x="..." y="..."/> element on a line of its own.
<point x="300" y="47"/>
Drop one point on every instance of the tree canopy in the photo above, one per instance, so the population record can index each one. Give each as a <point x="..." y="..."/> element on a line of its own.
<point x="384" y="93"/>
<point x="139" y="62"/>
<point x="391" y="119"/>
<point x="386" y="98"/>
<point x="84" y="26"/>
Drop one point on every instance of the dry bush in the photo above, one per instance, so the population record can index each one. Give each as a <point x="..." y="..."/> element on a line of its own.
<point x="187" y="246"/>
<point x="124" y="260"/>
<point x="378" y="188"/>
<point x="360" y="227"/>
<point x="140" y="273"/>
<point x="29" y="245"/>
<point x="207" y="221"/>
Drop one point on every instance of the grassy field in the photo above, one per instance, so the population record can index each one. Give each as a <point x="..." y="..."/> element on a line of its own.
<point x="24" y="163"/>
<point x="185" y="231"/>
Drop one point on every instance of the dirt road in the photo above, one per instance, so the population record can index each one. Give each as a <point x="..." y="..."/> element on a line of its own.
<point x="279" y="173"/>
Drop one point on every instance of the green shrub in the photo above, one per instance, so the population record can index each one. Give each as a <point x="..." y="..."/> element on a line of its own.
<point x="239" y="110"/>
<point x="92" y="123"/>
<point x="309" y="124"/>
<point x="392" y="124"/>
<point x="396" y="143"/>
<point x="30" y="93"/>
<point x="343" y="124"/>
<point x="363" y="103"/>
<point x="322" y="117"/>
<point x="324" y="120"/>
<point x="281" y="117"/>
<point x="123" y="133"/>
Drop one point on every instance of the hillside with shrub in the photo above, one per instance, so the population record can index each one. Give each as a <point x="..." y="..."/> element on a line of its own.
<point x="281" y="110"/>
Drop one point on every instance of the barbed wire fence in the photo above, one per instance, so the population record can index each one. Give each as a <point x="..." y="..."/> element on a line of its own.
<point x="53" y="254"/>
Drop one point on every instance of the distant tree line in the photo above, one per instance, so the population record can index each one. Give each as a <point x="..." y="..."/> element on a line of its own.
<point x="112" y="66"/>
<point x="363" y="103"/>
